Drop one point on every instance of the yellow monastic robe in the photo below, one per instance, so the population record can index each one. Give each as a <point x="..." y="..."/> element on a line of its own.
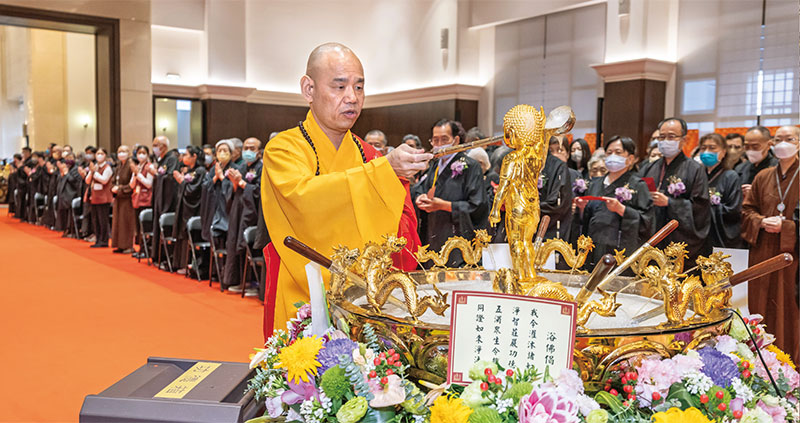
<point x="348" y="203"/>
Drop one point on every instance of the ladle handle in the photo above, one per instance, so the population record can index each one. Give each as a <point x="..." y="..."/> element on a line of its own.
<point x="765" y="267"/>
<point x="307" y="252"/>
<point x="663" y="233"/>
<point x="600" y="271"/>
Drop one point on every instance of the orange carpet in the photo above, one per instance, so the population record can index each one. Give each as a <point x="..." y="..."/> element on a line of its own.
<point x="75" y="319"/>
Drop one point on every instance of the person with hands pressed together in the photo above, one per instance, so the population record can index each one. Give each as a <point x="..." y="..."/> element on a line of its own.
<point x="757" y="148"/>
<point x="681" y="191"/>
<point x="623" y="219"/>
<point x="451" y="195"/>
<point x="164" y="187"/>
<point x="190" y="188"/>
<point x="725" y="194"/>
<point x="217" y="192"/>
<point x="98" y="178"/>
<point x="768" y="226"/>
<point x="123" y="222"/>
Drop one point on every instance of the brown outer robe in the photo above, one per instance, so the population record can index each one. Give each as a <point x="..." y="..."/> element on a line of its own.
<point x="774" y="296"/>
<point x="123" y="223"/>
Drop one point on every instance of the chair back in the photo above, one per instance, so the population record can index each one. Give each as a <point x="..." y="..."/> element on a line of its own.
<point x="38" y="197"/>
<point x="76" y="204"/>
<point x="55" y="201"/>
<point x="166" y="219"/>
<point x="194" y="227"/>
<point x="250" y="239"/>
<point x="146" y="221"/>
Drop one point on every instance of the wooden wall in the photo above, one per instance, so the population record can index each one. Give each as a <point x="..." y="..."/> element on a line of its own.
<point x="633" y="109"/>
<point x="226" y="119"/>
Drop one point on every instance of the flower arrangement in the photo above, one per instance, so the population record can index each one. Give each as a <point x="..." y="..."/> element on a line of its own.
<point x="540" y="183"/>
<point x="249" y="176"/>
<point x="676" y="186"/>
<point x="579" y="186"/>
<point x="458" y="167"/>
<point x="624" y="193"/>
<point x="715" y="196"/>
<point x="723" y="382"/>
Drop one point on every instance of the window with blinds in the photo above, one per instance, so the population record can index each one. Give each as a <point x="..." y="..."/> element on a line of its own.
<point x="545" y="61"/>
<point x="732" y="70"/>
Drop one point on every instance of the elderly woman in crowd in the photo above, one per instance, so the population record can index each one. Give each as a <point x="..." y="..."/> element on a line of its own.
<point x="99" y="196"/>
<point x="725" y="192"/>
<point x="142" y="186"/>
<point x="217" y="192"/>
<point x="123" y="222"/>
<point x="623" y="219"/>
<point x="190" y="188"/>
<point x="597" y="164"/>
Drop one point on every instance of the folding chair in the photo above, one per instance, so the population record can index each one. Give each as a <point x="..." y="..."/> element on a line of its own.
<point x="255" y="259"/>
<point x="145" y="217"/>
<point x="77" y="215"/>
<point x="213" y="264"/>
<point x="54" y="209"/>
<point x="196" y="243"/>
<point x="166" y="220"/>
<point x="41" y="201"/>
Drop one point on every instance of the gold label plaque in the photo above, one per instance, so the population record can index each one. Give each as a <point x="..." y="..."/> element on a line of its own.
<point x="188" y="380"/>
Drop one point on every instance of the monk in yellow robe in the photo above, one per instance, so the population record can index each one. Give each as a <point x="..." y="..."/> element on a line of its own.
<point x="317" y="183"/>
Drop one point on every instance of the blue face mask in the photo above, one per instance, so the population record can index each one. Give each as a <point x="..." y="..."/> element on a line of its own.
<point x="709" y="159"/>
<point x="249" y="156"/>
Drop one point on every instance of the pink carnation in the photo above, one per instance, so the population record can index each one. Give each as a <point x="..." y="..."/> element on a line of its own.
<point x="657" y="375"/>
<point x="777" y="412"/>
<point x="547" y="405"/>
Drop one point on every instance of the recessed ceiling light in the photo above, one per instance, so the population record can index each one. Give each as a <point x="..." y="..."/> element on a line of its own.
<point x="173" y="76"/>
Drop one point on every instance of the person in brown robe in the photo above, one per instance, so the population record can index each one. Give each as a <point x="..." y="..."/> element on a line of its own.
<point x="770" y="230"/>
<point x="123" y="221"/>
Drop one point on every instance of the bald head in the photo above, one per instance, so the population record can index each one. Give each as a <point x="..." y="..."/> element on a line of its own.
<point x="788" y="131"/>
<point x="321" y="56"/>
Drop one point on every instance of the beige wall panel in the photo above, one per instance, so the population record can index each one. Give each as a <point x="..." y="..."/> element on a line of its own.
<point x="137" y="112"/>
<point x="80" y="91"/>
<point x="47" y="102"/>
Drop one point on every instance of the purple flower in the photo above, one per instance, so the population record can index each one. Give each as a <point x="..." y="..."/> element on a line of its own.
<point x="718" y="366"/>
<point x="623" y="193"/>
<point x="715" y="196"/>
<point x="579" y="186"/>
<point x="676" y="188"/>
<point x="189" y="177"/>
<point x="299" y="392"/>
<point x="162" y="170"/>
<point x="329" y="356"/>
<point x="540" y="183"/>
<point x="249" y="176"/>
<point x="457" y="167"/>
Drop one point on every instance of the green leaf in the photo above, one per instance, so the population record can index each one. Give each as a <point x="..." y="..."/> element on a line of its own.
<point x="678" y="392"/>
<point x="611" y="401"/>
<point x="379" y="415"/>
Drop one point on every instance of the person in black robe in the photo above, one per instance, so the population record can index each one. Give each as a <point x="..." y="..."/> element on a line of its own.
<point x="53" y="175"/>
<point x="21" y="200"/>
<point x="450" y="198"/>
<point x="579" y="155"/>
<point x="681" y="191"/>
<point x="37" y="184"/>
<point x="555" y="192"/>
<point x="87" y="225"/>
<point x="624" y="219"/>
<point x="725" y="194"/>
<point x="164" y="188"/>
<point x="190" y="190"/>
<point x="217" y="192"/>
<point x="69" y="187"/>
<point x="13" y="183"/>
<point x="757" y="143"/>
<point x="242" y="211"/>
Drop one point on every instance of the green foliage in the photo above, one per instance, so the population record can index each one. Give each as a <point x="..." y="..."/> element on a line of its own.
<point x="371" y="338"/>
<point x="517" y="391"/>
<point x="485" y="415"/>
<point x="334" y="383"/>
<point x="678" y="393"/>
<point x="355" y="377"/>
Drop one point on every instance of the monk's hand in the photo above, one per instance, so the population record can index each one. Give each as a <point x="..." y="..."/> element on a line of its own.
<point x="406" y="161"/>
<point x="218" y="172"/>
<point x="659" y="199"/>
<point x="423" y="202"/>
<point x="772" y="224"/>
<point x="746" y="190"/>
<point x="115" y="189"/>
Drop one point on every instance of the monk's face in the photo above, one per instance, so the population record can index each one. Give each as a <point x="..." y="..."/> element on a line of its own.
<point x="335" y="91"/>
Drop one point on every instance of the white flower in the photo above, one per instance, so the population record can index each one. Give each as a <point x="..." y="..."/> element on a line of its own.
<point x="260" y="356"/>
<point x="756" y="415"/>
<point x="502" y="405"/>
<point x="586" y="404"/>
<point x="745" y="352"/>
<point x="742" y="391"/>
<point x="726" y="344"/>
<point x="697" y="383"/>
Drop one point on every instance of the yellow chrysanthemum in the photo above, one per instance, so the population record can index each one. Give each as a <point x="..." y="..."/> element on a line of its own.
<point x="300" y="359"/>
<point x="676" y="415"/>
<point x="447" y="409"/>
<point x="781" y="356"/>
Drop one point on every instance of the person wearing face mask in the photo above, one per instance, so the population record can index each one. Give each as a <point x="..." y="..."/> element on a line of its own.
<point x="243" y="211"/>
<point x="51" y="181"/>
<point x="681" y="190"/>
<point x="164" y="188"/>
<point x="725" y="195"/>
<point x="69" y="188"/>
<point x="87" y="226"/>
<point x="767" y="224"/>
<point x="38" y="179"/>
<point x="142" y="194"/>
<point x="99" y="196"/>
<point x="190" y="190"/>
<point x="217" y="193"/>
<point x="208" y="162"/>
<point x="450" y="196"/>
<point x="555" y="192"/>
<point x="624" y="218"/>
<point x="579" y="157"/>
<point x="757" y="143"/>
<point x="123" y="221"/>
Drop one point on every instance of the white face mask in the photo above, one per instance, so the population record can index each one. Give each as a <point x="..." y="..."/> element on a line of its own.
<point x="615" y="163"/>
<point x="122" y="155"/>
<point x="754" y="156"/>
<point x="142" y="157"/>
<point x="784" y="150"/>
<point x="577" y="156"/>
<point x="669" y="149"/>
<point x="100" y="158"/>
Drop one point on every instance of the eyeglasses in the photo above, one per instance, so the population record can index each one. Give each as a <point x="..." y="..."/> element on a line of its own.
<point x="669" y="137"/>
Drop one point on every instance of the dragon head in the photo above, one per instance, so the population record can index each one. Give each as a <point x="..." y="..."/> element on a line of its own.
<point x="714" y="267"/>
<point x="585" y="243"/>
<point x="344" y="255"/>
<point x="676" y="251"/>
<point x="482" y="237"/>
<point x="393" y="244"/>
